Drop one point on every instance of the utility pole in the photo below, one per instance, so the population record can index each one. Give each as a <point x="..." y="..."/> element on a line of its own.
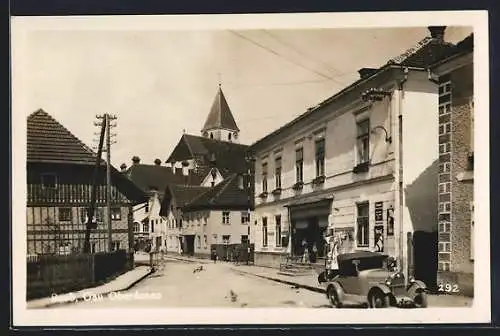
<point x="106" y="122"/>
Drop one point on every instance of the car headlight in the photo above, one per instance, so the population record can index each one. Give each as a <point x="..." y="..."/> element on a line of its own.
<point x="388" y="282"/>
<point x="412" y="279"/>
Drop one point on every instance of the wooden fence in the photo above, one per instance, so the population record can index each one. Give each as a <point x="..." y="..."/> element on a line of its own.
<point x="57" y="274"/>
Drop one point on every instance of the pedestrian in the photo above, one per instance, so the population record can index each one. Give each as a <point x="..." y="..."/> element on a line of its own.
<point x="313" y="254"/>
<point x="214" y="256"/>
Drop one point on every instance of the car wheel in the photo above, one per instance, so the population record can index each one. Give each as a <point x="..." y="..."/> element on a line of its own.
<point x="379" y="300"/>
<point x="333" y="297"/>
<point x="420" y="300"/>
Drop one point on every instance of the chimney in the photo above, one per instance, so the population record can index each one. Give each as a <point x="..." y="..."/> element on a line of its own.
<point x="437" y="32"/>
<point x="136" y="160"/>
<point x="366" y="72"/>
<point x="157" y="162"/>
<point x="123" y="167"/>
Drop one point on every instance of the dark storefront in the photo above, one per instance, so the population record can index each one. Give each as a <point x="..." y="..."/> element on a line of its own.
<point x="309" y="222"/>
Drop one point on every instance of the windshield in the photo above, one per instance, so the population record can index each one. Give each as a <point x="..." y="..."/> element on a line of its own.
<point x="371" y="263"/>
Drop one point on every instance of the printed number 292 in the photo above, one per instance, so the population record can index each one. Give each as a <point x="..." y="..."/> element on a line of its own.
<point x="449" y="288"/>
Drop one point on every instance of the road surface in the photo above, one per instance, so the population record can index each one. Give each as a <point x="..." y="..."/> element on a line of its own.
<point x="217" y="285"/>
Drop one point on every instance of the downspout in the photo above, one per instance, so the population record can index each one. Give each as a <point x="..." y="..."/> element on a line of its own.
<point x="402" y="237"/>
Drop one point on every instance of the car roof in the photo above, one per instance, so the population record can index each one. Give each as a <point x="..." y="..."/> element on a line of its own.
<point x="360" y="255"/>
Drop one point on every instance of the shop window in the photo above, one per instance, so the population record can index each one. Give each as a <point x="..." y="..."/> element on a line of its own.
<point x="363" y="224"/>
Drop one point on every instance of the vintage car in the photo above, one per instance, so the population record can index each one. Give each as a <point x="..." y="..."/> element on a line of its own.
<point x="368" y="278"/>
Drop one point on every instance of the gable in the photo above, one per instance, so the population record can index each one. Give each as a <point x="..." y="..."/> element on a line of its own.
<point x="207" y="181"/>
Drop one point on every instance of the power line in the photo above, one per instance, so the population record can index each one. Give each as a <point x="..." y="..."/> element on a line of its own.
<point x="298" y="51"/>
<point x="279" y="55"/>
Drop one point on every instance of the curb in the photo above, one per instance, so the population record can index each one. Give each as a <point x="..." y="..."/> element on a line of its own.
<point x="291" y="283"/>
<point x="79" y="299"/>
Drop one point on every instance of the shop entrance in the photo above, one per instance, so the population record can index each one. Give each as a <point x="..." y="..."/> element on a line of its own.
<point x="309" y="222"/>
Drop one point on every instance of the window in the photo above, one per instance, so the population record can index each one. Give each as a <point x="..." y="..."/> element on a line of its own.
<point x="205" y="240"/>
<point x="211" y="135"/>
<point x="152" y="226"/>
<point x="214" y="238"/>
<point x="229" y="136"/>
<point x="277" y="172"/>
<point x="65" y="215"/>
<point x="116" y="213"/>
<point x="264" y="231"/>
<point x="320" y="157"/>
<point x="225" y="217"/>
<point x="299" y="165"/>
<point x="116" y="245"/>
<point x="145" y="227"/>
<point x="137" y="227"/>
<point x="226" y="239"/>
<point x="363" y="141"/>
<point x="198" y="241"/>
<point x="49" y="181"/>
<point x="444" y="167"/>
<point x="444" y="148"/>
<point x="444" y="187"/>
<point x="444" y="227"/>
<point x="244" y="239"/>
<point x="444" y="247"/>
<point x="363" y="224"/>
<point x="146" y="208"/>
<point x="245" y="217"/>
<point x="472" y="231"/>
<point x="444" y="207"/>
<point x="445" y="128"/>
<point x="93" y="248"/>
<point x="278" y="230"/>
<point x="264" y="177"/>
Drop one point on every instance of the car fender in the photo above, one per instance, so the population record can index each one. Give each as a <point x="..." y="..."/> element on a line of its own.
<point x="380" y="287"/>
<point x="338" y="289"/>
<point x="415" y="286"/>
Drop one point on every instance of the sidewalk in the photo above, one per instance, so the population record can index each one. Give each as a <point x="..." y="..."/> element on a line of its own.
<point x="122" y="282"/>
<point x="310" y="282"/>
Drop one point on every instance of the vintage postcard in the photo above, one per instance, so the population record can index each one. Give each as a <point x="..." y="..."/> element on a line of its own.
<point x="217" y="169"/>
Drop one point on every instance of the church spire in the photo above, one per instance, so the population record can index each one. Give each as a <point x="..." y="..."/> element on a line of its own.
<point x="220" y="123"/>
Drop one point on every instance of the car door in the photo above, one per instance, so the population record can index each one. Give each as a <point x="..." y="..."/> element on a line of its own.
<point x="349" y="278"/>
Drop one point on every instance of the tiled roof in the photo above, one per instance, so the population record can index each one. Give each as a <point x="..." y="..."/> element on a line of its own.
<point x="225" y="195"/>
<point x="229" y="156"/>
<point x="220" y="115"/>
<point x="148" y="177"/>
<point x="429" y="51"/>
<point x="50" y="142"/>
<point x="428" y="54"/>
<point x="182" y="194"/>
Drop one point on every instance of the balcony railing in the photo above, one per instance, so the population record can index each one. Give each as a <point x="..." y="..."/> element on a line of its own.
<point x="70" y="194"/>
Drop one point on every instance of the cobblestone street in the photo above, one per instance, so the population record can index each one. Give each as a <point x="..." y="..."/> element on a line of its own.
<point x="219" y="285"/>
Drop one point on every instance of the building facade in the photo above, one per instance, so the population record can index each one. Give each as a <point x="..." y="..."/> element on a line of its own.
<point x="456" y="180"/>
<point x="60" y="169"/>
<point x="356" y="165"/>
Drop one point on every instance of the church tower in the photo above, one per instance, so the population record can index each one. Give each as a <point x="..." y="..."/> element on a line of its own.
<point x="220" y="124"/>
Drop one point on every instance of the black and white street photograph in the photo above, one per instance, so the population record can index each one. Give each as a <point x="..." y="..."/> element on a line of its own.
<point x="322" y="163"/>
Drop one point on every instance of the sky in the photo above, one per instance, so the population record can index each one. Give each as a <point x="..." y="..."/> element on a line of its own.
<point x="160" y="84"/>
